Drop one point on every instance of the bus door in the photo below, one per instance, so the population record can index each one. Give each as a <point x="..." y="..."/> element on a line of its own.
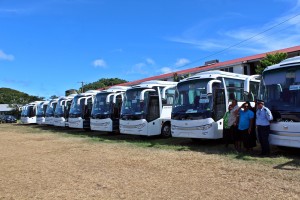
<point x="153" y="115"/>
<point x="219" y="104"/>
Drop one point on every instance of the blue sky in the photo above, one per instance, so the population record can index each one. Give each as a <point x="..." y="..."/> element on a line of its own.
<point x="49" y="46"/>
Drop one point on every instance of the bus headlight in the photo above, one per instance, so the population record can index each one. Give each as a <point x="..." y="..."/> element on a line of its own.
<point x="104" y="124"/>
<point x="140" y="126"/>
<point x="173" y="127"/>
<point x="205" y="127"/>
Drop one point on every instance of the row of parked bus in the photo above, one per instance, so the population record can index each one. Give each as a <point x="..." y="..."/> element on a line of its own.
<point x="191" y="108"/>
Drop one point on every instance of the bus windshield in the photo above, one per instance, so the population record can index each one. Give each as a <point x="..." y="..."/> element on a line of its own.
<point x="24" y="111"/>
<point x="191" y="97"/>
<point x="77" y="108"/>
<point x="50" y="109"/>
<point x="30" y="111"/>
<point x="132" y="105"/>
<point x="280" y="89"/>
<point x="59" y="110"/>
<point x="40" y="110"/>
<point x="100" y="105"/>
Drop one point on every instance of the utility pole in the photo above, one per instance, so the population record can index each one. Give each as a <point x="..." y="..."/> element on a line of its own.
<point x="82" y="84"/>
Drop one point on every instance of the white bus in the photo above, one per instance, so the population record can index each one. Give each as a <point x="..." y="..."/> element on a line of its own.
<point x="280" y="89"/>
<point x="202" y="100"/>
<point x="106" y="109"/>
<point x="81" y="107"/>
<point x="29" y="112"/>
<point x="146" y="109"/>
<point x="49" y="116"/>
<point x="41" y="112"/>
<point x="61" y="113"/>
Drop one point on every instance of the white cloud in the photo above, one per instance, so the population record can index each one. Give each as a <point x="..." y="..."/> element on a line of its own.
<point x="99" y="63"/>
<point x="4" y="56"/>
<point x="282" y="32"/>
<point x="150" y="61"/>
<point x="139" y="65"/>
<point x="142" y="67"/>
<point x="117" y="50"/>
<point x="182" y="61"/>
<point x="179" y="63"/>
<point x="9" y="11"/>
<point x="139" y="68"/>
<point x="166" y="70"/>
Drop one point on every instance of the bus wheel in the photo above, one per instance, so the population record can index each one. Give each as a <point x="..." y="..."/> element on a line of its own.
<point x="166" y="130"/>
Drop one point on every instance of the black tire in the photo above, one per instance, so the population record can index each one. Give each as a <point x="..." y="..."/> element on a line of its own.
<point x="166" y="130"/>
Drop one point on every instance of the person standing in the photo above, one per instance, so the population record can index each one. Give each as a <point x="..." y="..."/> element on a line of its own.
<point x="226" y="128"/>
<point x="253" y="128"/>
<point x="245" y="121"/>
<point x="263" y="118"/>
<point x="232" y="123"/>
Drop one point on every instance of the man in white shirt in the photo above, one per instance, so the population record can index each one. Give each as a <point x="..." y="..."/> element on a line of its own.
<point x="263" y="118"/>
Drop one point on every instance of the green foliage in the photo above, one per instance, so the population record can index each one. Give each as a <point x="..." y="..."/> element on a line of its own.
<point x="71" y="91"/>
<point x="102" y="83"/>
<point x="10" y="96"/>
<point x="16" y="99"/>
<point x="53" y="97"/>
<point x="270" y="59"/>
<point x="177" y="78"/>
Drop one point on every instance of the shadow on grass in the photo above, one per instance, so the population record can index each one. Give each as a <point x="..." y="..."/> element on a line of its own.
<point x="291" y="165"/>
<point x="177" y="144"/>
<point x="293" y="154"/>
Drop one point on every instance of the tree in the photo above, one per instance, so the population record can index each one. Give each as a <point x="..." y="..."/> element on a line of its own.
<point x="15" y="99"/>
<point x="103" y="83"/>
<point x="10" y="96"/>
<point x="270" y="59"/>
<point x="177" y="78"/>
<point x="53" y="97"/>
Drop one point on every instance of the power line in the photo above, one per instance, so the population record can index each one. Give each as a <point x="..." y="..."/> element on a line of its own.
<point x="272" y="33"/>
<point x="234" y="45"/>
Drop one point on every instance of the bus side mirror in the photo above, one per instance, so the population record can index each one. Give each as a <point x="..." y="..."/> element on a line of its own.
<point x="209" y="86"/>
<point x="247" y="83"/>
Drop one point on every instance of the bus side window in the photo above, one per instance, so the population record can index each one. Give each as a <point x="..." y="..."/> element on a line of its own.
<point x="286" y="95"/>
<point x="170" y="100"/>
<point x="251" y="96"/>
<point x="231" y="96"/>
<point x="196" y="101"/>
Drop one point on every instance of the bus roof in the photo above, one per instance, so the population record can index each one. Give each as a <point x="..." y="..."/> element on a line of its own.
<point x="285" y="63"/>
<point x="34" y="103"/>
<point x="116" y="89"/>
<point x="215" y="74"/>
<point x="150" y="84"/>
<point x="88" y="93"/>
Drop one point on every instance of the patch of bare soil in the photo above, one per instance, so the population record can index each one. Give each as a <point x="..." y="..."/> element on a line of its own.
<point x="48" y="166"/>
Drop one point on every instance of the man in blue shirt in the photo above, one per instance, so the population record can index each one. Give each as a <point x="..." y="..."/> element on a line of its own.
<point x="245" y="121"/>
<point x="263" y="118"/>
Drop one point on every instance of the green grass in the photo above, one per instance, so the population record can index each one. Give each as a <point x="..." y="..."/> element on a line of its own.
<point x="215" y="147"/>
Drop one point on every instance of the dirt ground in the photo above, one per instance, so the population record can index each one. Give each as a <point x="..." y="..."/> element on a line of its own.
<point x="49" y="166"/>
